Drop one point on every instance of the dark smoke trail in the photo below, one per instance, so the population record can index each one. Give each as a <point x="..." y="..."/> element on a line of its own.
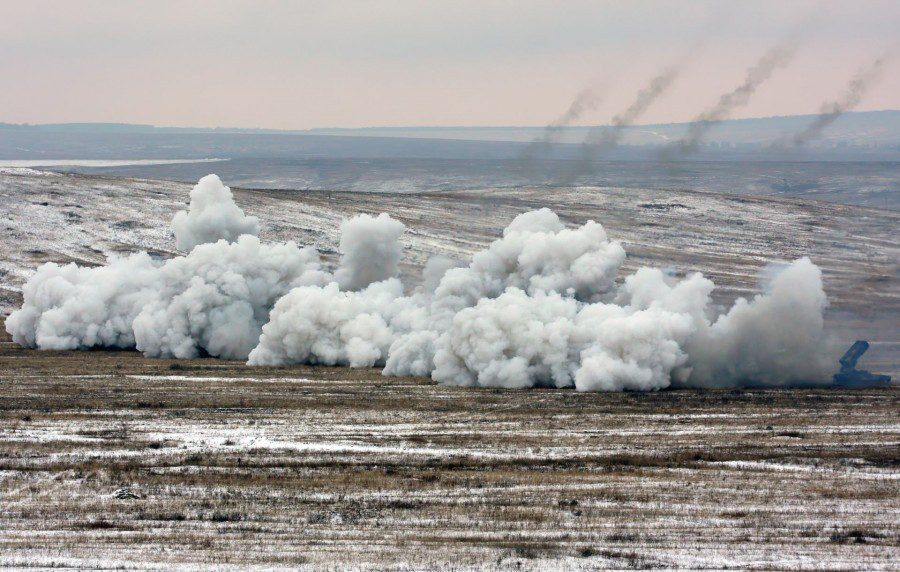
<point x="777" y="57"/>
<point x="585" y="101"/>
<point x="831" y="110"/>
<point x="600" y="140"/>
<point x="603" y="138"/>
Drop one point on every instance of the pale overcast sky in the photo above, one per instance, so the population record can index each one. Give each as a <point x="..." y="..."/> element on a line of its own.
<point x="298" y="64"/>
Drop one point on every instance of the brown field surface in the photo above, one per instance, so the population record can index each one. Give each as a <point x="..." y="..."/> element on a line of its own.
<point x="327" y="468"/>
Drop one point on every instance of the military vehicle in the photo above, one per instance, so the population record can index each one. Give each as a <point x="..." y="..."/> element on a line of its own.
<point x="849" y="376"/>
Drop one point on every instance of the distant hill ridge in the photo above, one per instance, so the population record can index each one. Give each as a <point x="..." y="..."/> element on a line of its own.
<point x="885" y="119"/>
<point x="868" y="136"/>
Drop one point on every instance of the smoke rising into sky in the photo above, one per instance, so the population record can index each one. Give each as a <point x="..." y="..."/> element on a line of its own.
<point x="603" y="138"/>
<point x="371" y="251"/>
<point x="600" y="140"/>
<point x="586" y="100"/>
<point x="540" y="306"/>
<point x="852" y="96"/>
<point x="762" y="70"/>
<point x="212" y="216"/>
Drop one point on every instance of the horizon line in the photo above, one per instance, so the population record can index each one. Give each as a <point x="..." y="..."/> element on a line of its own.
<point x="7" y="125"/>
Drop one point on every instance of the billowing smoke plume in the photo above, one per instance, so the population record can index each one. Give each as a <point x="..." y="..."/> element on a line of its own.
<point x="323" y="325"/>
<point x="214" y="300"/>
<point x="856" y="89"/>
<point x="540" y="306"/>
<point x="72" y="307"/>
<point x="370" y="250"/>
<point x="536" y="253"/>
<point x="754" y="341"/>
<point x="658" y="334"/>
<point x="217" y="298"/>
<point x="212" y="216"/>
<point x="775" y="58"/>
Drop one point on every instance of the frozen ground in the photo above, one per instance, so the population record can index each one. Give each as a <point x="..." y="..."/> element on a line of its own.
<point x="874" y="184"/>
<point x="730" y="238"/>
<point x="322" y="468"/>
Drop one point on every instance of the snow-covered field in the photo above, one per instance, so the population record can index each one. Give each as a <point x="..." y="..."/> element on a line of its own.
<point x="324" y="468"/>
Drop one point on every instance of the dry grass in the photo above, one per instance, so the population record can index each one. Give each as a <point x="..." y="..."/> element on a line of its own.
<point x="322" y="467"/>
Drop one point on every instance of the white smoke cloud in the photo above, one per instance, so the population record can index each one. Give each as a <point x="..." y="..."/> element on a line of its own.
<point x="537" y="252"/>
<point x="660" y="337"/>
<point x="513" y="341"/>
<point x="71" y="307"/>
<point x="212" y="216"/>
<point x="540" y="306"/>
<point x="323" y="325"/>
<point x="371" y="251"/>
<point x="434" y="269"/>
<point x="774" y="339"/>
<point x="214" y="300"/>
<point x="217" y="298"/>
<point x="547" y="339"/>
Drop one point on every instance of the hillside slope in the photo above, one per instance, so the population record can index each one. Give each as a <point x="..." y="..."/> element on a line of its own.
<point x="62" y="218"/>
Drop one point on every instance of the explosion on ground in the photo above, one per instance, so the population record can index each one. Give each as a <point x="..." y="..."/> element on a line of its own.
<point x="114" y="459"/>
